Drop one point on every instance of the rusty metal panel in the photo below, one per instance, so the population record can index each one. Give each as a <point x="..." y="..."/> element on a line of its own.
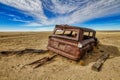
<point x="63" y="53"/>
<point x="69" y="46"/>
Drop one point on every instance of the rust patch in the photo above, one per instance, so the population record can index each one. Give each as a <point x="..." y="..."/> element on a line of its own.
<point x="72" y="42"/>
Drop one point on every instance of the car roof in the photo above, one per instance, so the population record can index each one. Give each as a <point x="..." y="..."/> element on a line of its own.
<point x="74" y="27"/>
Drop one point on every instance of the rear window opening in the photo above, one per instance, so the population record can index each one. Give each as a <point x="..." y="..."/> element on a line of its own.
<point x="66" y="33"/>
<point x="59" y="32"/>
<point x="87" y="35"/>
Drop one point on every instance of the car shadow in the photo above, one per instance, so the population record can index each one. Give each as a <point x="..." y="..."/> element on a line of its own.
<point x="98" y="51"/>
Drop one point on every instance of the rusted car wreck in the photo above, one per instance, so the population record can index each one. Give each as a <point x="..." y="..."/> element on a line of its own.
<point x="72" y="42"/>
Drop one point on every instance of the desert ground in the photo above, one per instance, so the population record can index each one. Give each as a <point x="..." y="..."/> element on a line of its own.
<point x="60" y="68"/>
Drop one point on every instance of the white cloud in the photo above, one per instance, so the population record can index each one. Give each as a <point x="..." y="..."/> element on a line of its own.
<point x="34" y="24"/>
<point x="20" y="20"/>
<point x="90" y="10"/>
<point x="31" y="7"/>
<point x="49" y="28"/>
<point x="77" y="11"/>
<point x="83" y="10"/>
<point x="95" y="10"/>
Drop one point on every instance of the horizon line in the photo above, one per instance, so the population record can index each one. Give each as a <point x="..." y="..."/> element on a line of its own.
<point x="53" y="29"/>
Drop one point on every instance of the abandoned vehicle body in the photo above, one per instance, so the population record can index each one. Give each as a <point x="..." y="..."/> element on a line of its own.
<point x="72" y="42"/>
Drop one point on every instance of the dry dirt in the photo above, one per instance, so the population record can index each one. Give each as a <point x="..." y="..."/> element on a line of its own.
<point x="60" y="68"/>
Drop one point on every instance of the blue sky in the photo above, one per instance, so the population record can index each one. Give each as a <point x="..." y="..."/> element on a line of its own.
<point x="42" y="15"/>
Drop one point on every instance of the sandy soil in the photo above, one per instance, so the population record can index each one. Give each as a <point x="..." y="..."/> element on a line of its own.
<point x="60" y="68"/>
